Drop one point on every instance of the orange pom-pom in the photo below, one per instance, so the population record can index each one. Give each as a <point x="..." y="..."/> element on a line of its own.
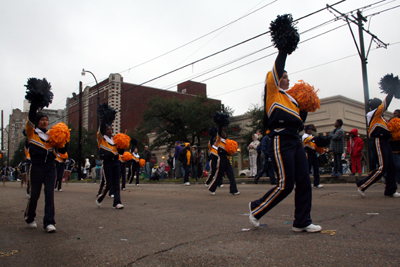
<point x="305" y="96"/>
<point x="142" y="162"/>
<point x="126" y="156"/>
<point x="320" y="150"/>
<point x="394" y="128"/>
<point x="59" y="135"/>
<point x="230" y="146"/>
<point x="121" y="141"/>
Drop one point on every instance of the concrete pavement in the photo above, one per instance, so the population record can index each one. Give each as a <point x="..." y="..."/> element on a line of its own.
<point x="176" y="225"/>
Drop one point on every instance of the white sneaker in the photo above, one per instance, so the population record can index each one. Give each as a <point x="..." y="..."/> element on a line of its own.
<point x="395" y="195"/>
<point x="253" y="220"/>
<point x="319" y="186"/>
<point x="361" y="192"/>
<point x="212" y="193"/>
<point x="119" y="206"/>
<point x="60" y="190"/>
<point x="137" y="184"/>
<point x="187" y="183"/>
<point x="123" y="189"/>
<point x="112" y="196"/>
<point x="98" y="203"/>
<point x="312" y="228"/>
<point x="32" y="225"/>
<point x="50" y="228"/>
<point x="221" y="185"/>
<point x="237" y="193"/>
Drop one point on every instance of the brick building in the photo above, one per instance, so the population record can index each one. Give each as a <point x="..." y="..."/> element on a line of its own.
<point x="129" y="99"/>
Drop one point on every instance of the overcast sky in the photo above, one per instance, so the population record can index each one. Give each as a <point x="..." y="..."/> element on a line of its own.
<point x="56" y="39"/>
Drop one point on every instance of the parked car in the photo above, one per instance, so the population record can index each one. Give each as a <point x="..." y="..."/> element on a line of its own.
<point x="245" y="172"/>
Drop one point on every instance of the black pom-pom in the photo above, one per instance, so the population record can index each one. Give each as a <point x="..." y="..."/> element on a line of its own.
<point x="322" y="141"/>
<point x="213" y="131"/>
<point x="221" y="119"/>
<point x="390" y="84"/>
<point x="284" y="35"/>
<point x="38" y="92"/>
<point x="106" y="113"/>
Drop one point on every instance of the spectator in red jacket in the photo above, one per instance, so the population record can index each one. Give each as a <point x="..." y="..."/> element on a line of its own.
<point x="354" y="148"/>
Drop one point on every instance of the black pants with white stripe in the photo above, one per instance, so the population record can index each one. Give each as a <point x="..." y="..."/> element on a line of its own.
<point x="41" y="173"/>
<point x="214" y="162"/>
<point x="382" y="152"/>
<point x="290" y="162"/>
<point x="224" y="167"/>
<point x="111" y="172"/>
<point x="313" y="164"/>
<point x="60" y="173"/>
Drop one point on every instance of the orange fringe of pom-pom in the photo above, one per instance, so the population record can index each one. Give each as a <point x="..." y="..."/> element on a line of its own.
<point x="142" y="162"/>
<point x="306" y="96"/>
<point x="59" y="135"/>
<point x="121" y="141"/>
<point x="63" y="156"/>
<point x="230" y="146"/>
<point x="126" y="156"/>
<point x="320" y="150"/>
<point x="394" y="128"/>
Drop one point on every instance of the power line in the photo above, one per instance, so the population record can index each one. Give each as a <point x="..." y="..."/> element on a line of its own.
<point x="234" y="68"/>
<point x="294" y="72"/>
<point x="201" y="37"/>
<point x="222" y="51"/>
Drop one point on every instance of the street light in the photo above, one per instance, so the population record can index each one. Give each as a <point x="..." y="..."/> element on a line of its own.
<point x="98" y="93"/>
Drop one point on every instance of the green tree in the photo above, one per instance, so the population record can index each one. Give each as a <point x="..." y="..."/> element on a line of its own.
<point x="89" y="143"/>
<point x="19" y="154"/>
<point x="256" y="114"/>
<point x="175" y="119"/>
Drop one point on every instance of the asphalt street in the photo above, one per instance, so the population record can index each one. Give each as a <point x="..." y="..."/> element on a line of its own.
<point x="177" y="225"/>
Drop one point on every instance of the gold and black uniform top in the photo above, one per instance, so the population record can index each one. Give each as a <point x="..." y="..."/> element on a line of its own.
<point x="377" y="124"/>
<point x="281" y="109"/>
<point x="107" y="148"/>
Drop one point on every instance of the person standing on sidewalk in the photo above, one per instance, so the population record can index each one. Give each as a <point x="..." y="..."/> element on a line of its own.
<point x="337" y="147"/>
<point x="310" y="149"/>
<point x="185" y="156"/>
<point x="253" y="155"/>
<point x="177" y="163"/>
<point x="147" y="157"/>
<point x="267" y="163"/>
<point x="354" y="148"/>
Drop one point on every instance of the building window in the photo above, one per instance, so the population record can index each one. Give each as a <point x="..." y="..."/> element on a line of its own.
<point x="183" y="91"/>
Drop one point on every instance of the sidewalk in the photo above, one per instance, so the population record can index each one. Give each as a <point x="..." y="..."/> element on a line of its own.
<point x="325" y="179"/>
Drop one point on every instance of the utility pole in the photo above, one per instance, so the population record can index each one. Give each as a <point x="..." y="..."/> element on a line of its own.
<point x="359" y="20"/>
<point x="2" y="134"/>
<point x="80" y="133"/>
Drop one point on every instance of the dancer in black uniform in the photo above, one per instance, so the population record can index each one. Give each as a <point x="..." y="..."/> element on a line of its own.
<point x="42" y="154"/>
<point x="285" y="120"/>
<point x="224" y="165"/>
<point x="381" y="150"/>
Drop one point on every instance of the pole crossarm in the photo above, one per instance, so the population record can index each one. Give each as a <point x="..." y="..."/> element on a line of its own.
<point x="345" y="17"/>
